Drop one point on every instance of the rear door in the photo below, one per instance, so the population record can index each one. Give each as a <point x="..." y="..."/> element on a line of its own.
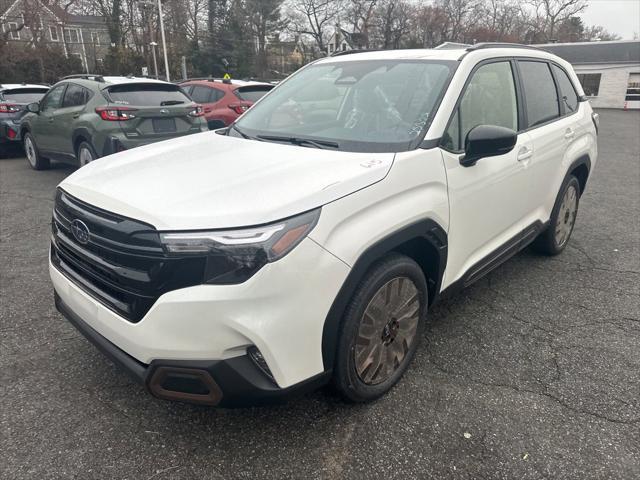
<point x="158" y="111"/>
<point x="551" y="131"/>
<point x="209" y="98"/>
<point x="73" y="103"/>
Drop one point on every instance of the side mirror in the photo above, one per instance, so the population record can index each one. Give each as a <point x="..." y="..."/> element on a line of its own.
<point x="34" y="107"/>
<point x="487" y="141"/>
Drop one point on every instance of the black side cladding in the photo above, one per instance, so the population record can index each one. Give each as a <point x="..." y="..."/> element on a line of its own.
<point x="123" y="265"/>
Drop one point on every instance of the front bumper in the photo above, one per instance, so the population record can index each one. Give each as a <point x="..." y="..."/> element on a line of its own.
<point x="280" y="310"/>
<point x="235" y="382"/>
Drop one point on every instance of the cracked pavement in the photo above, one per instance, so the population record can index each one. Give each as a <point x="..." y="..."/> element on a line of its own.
<point x="532" y="373"/>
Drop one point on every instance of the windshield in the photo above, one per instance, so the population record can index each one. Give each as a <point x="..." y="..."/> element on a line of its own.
<point x="360" y="106"/>
<point x="24" y="95"/>
<point x="148" y="95"/>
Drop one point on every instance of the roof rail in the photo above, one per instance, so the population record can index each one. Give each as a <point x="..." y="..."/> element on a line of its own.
<point x="483" y="45"/>
<point x="85" y="76"/>
<point x="350" y="52"/>
<point x="208" y="79"/>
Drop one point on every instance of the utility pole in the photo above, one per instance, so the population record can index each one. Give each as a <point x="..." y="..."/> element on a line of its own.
<point x="164" y="42"/>
<point x="155" y="61"/>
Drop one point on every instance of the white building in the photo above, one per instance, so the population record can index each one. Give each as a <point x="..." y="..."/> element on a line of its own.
<point x="609" y="71"/>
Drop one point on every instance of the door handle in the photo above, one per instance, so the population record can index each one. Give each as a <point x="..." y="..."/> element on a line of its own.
<point x="569" y="134"/>
<point x="76" y="115"/>
<point x="525" y="153"/>
<point x="50" y="119"/>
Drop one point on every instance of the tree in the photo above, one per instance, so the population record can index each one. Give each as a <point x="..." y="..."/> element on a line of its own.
<point x="549" y="14"/>
<point x="314" y="17"/>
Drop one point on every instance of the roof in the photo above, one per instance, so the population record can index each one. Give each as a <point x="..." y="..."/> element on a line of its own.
<point x="60" y="13"/>
<point x="582" y="53"/>
<point x="11" y="86"/>
<point x="418" y="53"/>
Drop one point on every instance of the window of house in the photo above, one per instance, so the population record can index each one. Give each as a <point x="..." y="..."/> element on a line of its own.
<point x="540" y="92"/>
<point x="14" y="33"/>
<point x="633" y="88"/>
<point x="71" y="35"/>
<point x="331" y="48"/>
<point x="95" y="38"/>
<point x="489" y="99"/>
<point x="569" y="97"/>
<point x="590" y="83"/>
<point x="53" y="31"/>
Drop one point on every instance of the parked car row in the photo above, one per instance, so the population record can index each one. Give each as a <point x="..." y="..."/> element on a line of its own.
<point x="14" y="99"/>
<point x="84" y="117"/>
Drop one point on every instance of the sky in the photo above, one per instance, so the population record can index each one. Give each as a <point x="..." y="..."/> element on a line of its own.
<point x="617" y="16"/>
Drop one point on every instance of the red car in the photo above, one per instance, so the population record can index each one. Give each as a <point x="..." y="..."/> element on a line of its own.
<point x="224" y="100"/>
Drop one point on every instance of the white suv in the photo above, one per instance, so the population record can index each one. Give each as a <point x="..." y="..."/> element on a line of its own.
<point x="306" y="243"/>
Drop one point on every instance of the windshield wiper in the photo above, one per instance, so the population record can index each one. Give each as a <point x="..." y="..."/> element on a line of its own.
<point x="300" y="141"/>
<point x="170" y="102"/>
<point x="244" y="135"/>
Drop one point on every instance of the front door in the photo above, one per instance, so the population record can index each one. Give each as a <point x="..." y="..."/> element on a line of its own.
<point x="42" y="126"/>
<point x="489" y="201"/>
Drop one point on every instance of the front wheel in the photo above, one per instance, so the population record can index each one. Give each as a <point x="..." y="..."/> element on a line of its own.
<point x="36" y="161"/>
<point x="563" y="218"/>
<point x="381" y="329"/>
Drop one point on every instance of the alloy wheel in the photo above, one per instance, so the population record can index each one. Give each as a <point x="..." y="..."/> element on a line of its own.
<point x="387" y="330"/>
<point x="85" y="156"/>
<point x="30" y="151"/>
<point x="566" y="216"/>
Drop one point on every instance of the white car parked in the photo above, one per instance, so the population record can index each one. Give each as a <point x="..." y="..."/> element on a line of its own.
<point x="306" y="243"/>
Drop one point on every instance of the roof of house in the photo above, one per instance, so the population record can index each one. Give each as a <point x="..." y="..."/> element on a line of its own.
<point x="60" y="13"/>
<point x="618" y="51"/>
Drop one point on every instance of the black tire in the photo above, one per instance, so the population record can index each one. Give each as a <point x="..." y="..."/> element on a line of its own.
<point x="88" y="148"/>
<point x="563" y="221"/>
<point x="36" y="161"/>
<point x="389" y="271"/>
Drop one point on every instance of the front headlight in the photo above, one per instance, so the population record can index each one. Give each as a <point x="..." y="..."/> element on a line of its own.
<point x="233" y="256"/>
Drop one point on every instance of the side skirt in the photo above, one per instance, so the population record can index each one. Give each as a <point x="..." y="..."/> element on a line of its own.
<point x="495" y="258"/>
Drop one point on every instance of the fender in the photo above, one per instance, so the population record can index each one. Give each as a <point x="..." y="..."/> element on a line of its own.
<point x="585" y="161"/>
<point x="81" y="132"/>
<point x="426" y="229"/>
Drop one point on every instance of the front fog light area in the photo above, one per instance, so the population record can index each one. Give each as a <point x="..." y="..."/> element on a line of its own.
<point x="260" y="362"/>
<point x="233" y="256"/>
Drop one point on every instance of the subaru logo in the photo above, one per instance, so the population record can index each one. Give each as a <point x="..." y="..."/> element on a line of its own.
<point x="164" y="111"/>
<point x="80" y="231"/>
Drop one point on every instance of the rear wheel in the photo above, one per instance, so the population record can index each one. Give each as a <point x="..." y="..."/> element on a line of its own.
<point x="563" y="218"/>
<point x="86" y="154"/>
<point x="36" y="160"/>
<point x="381" y="329"/>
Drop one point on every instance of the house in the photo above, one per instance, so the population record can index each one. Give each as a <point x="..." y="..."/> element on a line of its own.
<point x="609" y="71"/>
<point x="284" y="56"/>
<point x="35" y="23"/>
<point x="342" y="41"/>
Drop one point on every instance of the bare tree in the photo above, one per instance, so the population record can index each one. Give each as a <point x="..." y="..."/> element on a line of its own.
<point x="314" y="18"/>
<point x="549" y="14"/>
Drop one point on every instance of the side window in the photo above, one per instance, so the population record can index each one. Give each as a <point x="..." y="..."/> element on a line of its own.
<point x="216" y="95"/>
<point x="200" y="94"/>
<point x="540" y="92"/>
<point x="489" y="99"/>
<point x="75" y="96"/>
<point x="568" y="95"/>
<point x="53" y="98"/>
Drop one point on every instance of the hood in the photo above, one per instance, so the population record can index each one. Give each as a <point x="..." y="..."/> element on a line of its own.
<point x="210" y="181"/>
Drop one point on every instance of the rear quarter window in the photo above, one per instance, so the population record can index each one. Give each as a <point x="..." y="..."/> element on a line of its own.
<point x="147" y="95"/>
<point x="568" y="95"/>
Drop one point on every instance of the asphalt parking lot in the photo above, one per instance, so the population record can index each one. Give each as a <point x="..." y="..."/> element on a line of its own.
<point x="532" y="373"/>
